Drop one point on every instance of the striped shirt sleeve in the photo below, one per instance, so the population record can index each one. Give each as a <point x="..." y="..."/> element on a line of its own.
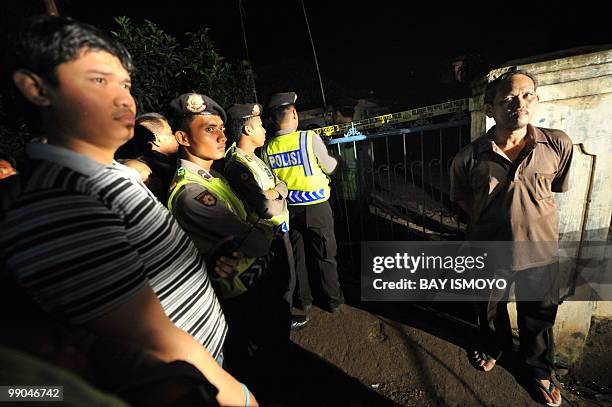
<point x="71" y="255"/>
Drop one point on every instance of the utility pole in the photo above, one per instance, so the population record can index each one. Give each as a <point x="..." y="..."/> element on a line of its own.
<point x="314" y="52"/>
<point x="246" y="48"/>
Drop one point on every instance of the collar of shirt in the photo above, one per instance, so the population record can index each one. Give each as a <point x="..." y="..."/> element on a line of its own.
<point x="283" y="132"/>
<point x="244" y="153"/>
<point x="77" y="162"/>
<point x="486" y="143"/>
<point x="66" y="158"/>
<point x="196" y="169"/>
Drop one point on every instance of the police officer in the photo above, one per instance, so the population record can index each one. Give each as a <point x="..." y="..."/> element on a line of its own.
<point x="250" y="177"/>
<point x="208" y="209"/>
<point x="257" y="186"/>
<point x="301" y="160"/>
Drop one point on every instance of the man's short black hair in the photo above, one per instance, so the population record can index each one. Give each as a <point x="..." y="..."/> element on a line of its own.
<point x="273" y="117"/>
<point x="140" y="144"/>
<point x="234" y="130"/>
<point x="491" y="89"/>
<point x="44" y="42"/>
<point x="278" y="114"/>
<point x="181" y="121"/>
<point x="150" y="117"/>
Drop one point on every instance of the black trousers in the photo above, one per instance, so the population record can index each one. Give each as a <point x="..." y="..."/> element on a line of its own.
<point x="286" y="249"/>
<point x="259" y="327"/>
<point x="315" y="225"/>
<point x="535" y="318"/>
<point x="301" y="294"/>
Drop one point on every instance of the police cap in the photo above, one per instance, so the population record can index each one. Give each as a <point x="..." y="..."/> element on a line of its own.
<point x="282" y="99"/>
<point x="191" y="104"/>
<point x="243" y="111"/>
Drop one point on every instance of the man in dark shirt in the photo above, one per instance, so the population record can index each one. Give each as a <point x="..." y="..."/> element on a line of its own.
<point x="504" y="181"/>
<point x="154" y="145"/>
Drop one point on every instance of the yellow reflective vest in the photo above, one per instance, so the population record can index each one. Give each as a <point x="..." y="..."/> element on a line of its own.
<point x="219" y="187"/>
<point x="291" y="158"/>
<point x="265" y="180"/>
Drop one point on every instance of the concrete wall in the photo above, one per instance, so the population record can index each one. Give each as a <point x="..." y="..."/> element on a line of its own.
<point x="575" y="96"/>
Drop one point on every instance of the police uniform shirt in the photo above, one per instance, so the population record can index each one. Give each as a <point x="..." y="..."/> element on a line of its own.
<point x="203" y="215"/>
<point x="244" y="184"/>
<point x="327" y="163"/>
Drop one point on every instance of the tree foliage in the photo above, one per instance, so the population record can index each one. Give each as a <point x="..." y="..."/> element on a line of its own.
<point x="167" y="67"/>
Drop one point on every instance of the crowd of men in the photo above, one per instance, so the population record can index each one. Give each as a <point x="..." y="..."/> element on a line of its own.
<point x="169" y="255"/>
<point x="135" y="240"/>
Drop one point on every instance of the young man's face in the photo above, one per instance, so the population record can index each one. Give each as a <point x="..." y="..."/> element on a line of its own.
<point x="257" y="133"/>
<point x="514" y="103"/>
<point x="206" y="137"/>
<point x="92" y="102"/>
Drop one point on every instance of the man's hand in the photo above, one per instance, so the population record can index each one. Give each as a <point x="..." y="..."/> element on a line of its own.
<point x="142" y="322"/>
<point x="142" y="168"/>
<point x="272" y="194"/>
<point x="224" y="257"/>
<point x="226" y="265"/>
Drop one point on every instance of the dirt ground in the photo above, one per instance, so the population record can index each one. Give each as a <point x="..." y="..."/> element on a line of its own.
<point x="415" y="356"/>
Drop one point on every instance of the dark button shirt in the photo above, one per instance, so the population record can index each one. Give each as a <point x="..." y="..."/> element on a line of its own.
<point x="513" y="200"/>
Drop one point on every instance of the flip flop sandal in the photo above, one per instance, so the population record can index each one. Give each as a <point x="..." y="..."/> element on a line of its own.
<point x="549" y="391"/>
<point x="477" y="354"/>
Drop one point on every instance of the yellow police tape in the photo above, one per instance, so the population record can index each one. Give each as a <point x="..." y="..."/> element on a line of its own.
<point x="394" y="118"/>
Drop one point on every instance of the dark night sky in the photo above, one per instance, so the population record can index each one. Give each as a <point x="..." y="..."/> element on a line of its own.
<point x="366" y="47"/>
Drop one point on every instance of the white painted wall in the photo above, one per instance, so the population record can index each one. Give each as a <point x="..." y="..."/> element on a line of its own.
<point x="576" y="97"/>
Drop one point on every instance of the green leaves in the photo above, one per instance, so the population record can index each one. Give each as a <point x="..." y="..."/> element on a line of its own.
<point x="167" y="67"/>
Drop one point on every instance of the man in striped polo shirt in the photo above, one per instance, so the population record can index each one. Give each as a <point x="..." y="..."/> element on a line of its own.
<point x="81" y="235"/>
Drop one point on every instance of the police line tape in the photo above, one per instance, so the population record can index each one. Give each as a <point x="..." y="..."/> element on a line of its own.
<point x="394" y="118"/>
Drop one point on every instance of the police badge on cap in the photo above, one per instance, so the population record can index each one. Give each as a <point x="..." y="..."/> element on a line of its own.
<point x="243" y="111"/>
<point x="196" y="103"/>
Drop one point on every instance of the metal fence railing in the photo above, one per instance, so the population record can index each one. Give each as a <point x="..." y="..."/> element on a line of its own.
<point x="394" y="184"/>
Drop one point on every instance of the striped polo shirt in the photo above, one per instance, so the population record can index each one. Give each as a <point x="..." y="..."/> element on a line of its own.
<point x="81" y="238"/>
